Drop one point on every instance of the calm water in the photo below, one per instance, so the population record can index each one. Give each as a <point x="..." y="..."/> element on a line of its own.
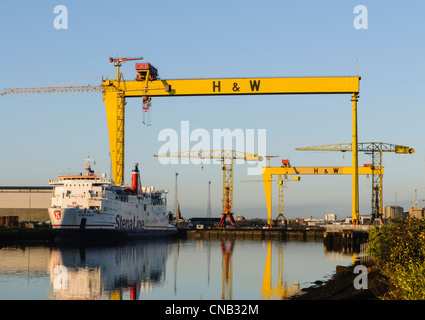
<point x="162" y="270"/>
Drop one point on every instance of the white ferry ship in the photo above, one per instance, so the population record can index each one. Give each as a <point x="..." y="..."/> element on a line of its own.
<point x="90" y="204"/>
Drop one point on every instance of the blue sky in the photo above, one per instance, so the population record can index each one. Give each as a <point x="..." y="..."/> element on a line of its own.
<point x="43" y="135"/>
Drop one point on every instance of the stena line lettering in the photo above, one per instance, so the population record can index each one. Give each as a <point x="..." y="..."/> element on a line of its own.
<point x="129" y="224"/>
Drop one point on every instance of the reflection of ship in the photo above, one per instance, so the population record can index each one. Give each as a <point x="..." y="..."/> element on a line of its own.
<point x="100" y="273"/>
<point x="91" y="204"/>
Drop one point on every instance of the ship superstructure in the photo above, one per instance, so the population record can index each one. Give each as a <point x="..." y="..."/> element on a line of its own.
<point x="91" y="202"/>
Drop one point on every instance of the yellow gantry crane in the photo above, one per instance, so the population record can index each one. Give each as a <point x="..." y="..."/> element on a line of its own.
<point x="281" y="186"/>
<point x="148" y="84"/>
<point x="226" y="157"/>
<point x="287" y="169"/>
<point x="375" y="149"/>
<point x="281" y="180"/>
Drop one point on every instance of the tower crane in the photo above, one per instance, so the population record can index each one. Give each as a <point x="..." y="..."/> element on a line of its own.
<point x="147" y="85"/>
<point x="375" y="149"/>
<point x="226" y="157"/>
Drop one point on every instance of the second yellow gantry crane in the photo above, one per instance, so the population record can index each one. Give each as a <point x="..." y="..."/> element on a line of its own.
<point x="375" y="149"/>
<point x="287" y="169"/>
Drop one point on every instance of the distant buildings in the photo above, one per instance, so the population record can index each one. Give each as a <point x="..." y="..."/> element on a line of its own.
<point x="330" y="217"/>
<point x="389" y="212"/>
<point x="397" y="212"/>
<point x="393" y="212"/>
<point x="416" y="212"/>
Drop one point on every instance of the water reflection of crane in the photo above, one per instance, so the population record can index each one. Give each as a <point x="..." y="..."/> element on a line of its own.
<point x="281" y="290"/>
<point x="227" y="270"/>
<point x="176" y="258"/>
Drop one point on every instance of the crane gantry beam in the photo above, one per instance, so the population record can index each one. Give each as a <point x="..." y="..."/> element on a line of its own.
<point x="375" y="149"/>
<point x="236" y="86"/>
<point x="148" y="84"/>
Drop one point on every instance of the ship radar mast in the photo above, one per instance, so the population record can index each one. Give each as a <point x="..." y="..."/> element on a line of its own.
<point x="87" y="166"/>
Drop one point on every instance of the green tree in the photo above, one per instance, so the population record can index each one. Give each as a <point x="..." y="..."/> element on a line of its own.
<point x="398" y="249"/>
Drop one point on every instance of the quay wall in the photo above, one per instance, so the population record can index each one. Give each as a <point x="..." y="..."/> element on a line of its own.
<point x="254" y="234"/>
<point x="344" y="238"/>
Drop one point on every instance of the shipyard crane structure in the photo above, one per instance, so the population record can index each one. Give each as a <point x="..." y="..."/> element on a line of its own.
<point x="286" y="169"/>
<point x="148" y="85"/>
<point x="281" y="180"/>
<point x="375" y="150"/>
<point x="226" y="157"/>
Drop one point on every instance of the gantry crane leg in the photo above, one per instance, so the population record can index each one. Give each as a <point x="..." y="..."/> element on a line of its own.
<point x="115" y="111"/>
<point x="281" y="204"/>
<point x="355" y="188"/>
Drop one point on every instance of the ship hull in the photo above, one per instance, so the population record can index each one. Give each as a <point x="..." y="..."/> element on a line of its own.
<point x="108" y="237"/>
<point x="91" y="225"/>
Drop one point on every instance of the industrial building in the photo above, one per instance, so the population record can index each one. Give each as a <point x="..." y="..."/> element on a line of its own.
<point x="26" y="203"/>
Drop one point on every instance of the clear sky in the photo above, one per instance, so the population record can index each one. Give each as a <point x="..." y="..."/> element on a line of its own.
<point x="43" y="135"/>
